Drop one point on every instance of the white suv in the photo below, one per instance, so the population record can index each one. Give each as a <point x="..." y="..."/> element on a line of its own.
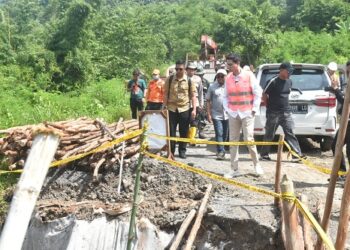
<point x="313" y="109"/>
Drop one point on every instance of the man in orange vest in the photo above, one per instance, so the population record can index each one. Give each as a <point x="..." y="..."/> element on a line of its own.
<point x="241" y="101"/>
<point x="155" y="92"/>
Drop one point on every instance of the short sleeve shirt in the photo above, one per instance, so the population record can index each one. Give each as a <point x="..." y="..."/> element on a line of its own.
<point x="215" y="95"/>
<point x="137" y="90"/>
<point x="178" y="93"/>
<point x="278" y="91"/>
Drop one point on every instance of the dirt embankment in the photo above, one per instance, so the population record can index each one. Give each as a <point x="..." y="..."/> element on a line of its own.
<point x="167" y="194"/>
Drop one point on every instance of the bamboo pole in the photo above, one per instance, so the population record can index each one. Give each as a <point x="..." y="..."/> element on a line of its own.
<point x="121" y="167"/>
<point x="183" y="229"/>
<point x="278" y="170"/>
<point x="336" y="164"/>
<point x="132" y="225"/>
<point x="293" y="237"/>
<point x="306" y="226"/>
<point x="198" y="220"/>
<point x="27" y="191"/>
<point x="344" y="216"/>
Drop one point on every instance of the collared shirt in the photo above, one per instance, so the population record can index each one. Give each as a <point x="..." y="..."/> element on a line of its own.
<point x="155" y="91"/>
<point x="215" y="95"/>
<point x="179" y="97"/>
<point x="257" y="93"/>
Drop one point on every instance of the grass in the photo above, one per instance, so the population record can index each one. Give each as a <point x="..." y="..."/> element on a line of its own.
<point x="19" y="105"/>
<point x="105" y="99"/>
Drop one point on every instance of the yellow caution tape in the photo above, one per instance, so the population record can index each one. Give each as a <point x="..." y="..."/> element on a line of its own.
<point x="286" y="196"/>
<point x="200" y="141"/>
<point x="96" y="150"/>
<point x="308" y="215"/>
<point x="212" y="176"/>
<point x="310" y="164"/>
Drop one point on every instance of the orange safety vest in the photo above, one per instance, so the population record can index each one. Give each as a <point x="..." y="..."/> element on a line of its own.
<point x="239" y="92"/>
<point x="155" y="91"/>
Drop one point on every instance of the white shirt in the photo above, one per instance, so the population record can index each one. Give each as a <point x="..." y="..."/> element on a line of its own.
<point x="257" y="93"/>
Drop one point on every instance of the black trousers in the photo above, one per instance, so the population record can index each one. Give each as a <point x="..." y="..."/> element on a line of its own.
<point x="154" y="106"/>
<point x="347" y="143"/>
<point x="135" y="106"/>
<point x="183" y="120"/>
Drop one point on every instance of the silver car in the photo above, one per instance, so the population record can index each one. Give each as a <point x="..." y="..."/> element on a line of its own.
<point x="313" y="109"/>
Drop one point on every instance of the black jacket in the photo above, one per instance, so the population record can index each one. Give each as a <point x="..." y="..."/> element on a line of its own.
<point x="340" y="98"/>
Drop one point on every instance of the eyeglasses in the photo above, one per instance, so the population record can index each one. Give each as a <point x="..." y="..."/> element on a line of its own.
<point x="179" y="69"/>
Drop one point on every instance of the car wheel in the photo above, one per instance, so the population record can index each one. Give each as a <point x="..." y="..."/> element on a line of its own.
<point x="326" y="143"/>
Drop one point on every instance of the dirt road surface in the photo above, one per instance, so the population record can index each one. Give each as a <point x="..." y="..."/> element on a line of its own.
<point x="236" y="218"/>
<point x="306" y="180"/>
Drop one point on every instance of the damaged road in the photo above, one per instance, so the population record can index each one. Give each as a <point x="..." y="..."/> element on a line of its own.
<point x="235" y="218"/>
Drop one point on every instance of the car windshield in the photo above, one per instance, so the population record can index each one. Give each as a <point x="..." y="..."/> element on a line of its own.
<point x="303" y="79"/>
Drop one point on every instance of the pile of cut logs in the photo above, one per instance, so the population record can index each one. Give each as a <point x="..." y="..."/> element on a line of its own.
<point x="77" y="136"/>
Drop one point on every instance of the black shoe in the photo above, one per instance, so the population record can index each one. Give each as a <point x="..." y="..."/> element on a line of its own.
<point x="182" y="155"/>
<point x="201" y="135"/>
<point x="265" y="158"/>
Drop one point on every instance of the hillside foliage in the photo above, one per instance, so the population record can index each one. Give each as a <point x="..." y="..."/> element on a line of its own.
<point x="58" y="50"/>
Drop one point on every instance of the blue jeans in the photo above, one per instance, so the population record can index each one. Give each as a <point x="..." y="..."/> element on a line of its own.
<point x="283" y="119"/>
<point x="221" y="133"/>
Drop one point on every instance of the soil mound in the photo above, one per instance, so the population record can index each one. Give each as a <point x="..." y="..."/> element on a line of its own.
<point x="167" y="193"/>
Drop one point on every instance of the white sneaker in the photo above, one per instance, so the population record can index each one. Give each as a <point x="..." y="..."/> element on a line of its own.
<point x="232" y="174"/>
<point x="258" y="169"/>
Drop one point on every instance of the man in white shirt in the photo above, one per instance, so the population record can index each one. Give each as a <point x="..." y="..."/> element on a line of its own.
<point x="242" y="99"/>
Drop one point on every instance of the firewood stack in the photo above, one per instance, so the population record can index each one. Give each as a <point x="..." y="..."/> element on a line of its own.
<point x="77" y="136"/>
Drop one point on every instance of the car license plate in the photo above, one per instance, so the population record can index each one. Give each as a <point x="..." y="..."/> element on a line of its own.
<point x="299" y="108"/>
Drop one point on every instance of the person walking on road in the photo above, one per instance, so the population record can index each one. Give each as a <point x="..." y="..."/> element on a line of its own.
<point x="137" y="87"/>
<point x="155" y="92"/>
<point x="216" y="112"/>
<point x="340" y="98"/>
<point x="278" y="113"/>
<point x="179" y="93"/>
<point x="201" y="116"/>
<point x="241" y="101"/>
<point x="197" y="81"/>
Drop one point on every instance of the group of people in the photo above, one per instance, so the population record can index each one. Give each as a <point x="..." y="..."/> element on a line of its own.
<point x="233" y="100"/>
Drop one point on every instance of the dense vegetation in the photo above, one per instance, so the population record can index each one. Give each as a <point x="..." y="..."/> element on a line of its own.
<point x="57" y="55"/>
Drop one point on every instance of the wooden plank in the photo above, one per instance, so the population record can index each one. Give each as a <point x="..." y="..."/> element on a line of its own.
<point x="27" y="191"/>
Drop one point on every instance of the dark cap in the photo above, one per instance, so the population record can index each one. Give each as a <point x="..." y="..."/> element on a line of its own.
<point x="287" y="66"/>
